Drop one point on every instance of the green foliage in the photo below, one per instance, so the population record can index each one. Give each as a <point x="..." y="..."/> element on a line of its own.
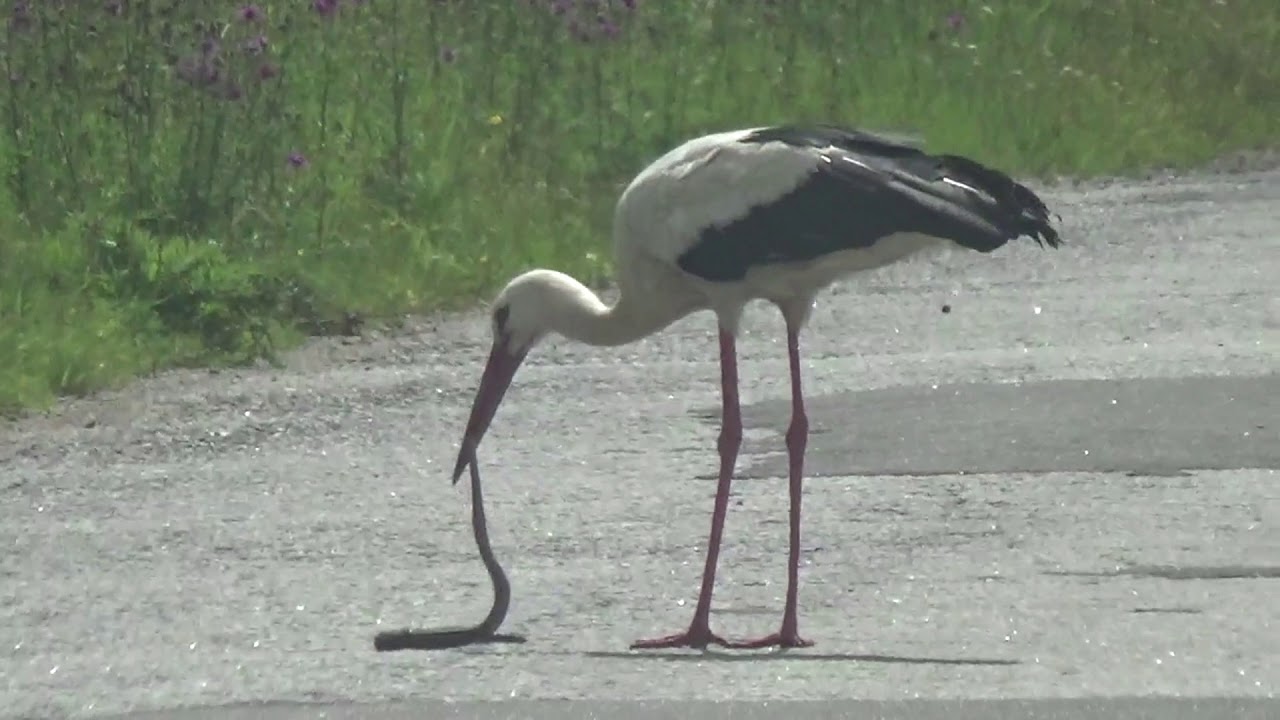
<point x="195" y="182"/>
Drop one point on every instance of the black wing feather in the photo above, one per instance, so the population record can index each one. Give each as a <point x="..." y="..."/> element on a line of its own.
<point x="843" y="205"/>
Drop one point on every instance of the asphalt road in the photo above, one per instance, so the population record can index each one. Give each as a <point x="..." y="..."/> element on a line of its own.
<point x="1062" y="493"/>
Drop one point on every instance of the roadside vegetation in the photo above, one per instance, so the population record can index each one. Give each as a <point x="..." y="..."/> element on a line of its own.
<point x="206" y="183"/>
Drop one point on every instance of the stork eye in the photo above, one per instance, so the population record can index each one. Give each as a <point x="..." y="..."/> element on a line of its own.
<point x="500" y="315"/>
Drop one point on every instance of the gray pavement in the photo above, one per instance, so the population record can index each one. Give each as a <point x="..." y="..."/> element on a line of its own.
<point x="1056" y="709"/>
<point x="987" y="534"/>
<point x="1140" y="426"/>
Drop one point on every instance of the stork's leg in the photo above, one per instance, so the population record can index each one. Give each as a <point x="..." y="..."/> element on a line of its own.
<point x="797" y="439"/>
<point x="699" y="634"/>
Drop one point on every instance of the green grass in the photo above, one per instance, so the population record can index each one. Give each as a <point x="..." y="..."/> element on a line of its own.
<point x="149" y="221"/>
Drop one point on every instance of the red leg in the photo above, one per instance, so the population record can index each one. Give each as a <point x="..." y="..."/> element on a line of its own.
<point x="797" y="439"/>
<point x="699" y="634"/>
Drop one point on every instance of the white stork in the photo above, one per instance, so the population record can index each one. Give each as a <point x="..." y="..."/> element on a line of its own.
<point x="773" y="213"/>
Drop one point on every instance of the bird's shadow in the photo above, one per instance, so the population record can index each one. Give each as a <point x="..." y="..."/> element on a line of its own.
<point x="718" y="656"/>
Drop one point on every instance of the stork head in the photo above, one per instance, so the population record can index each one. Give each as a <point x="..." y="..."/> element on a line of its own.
<point x="522" y="314"/>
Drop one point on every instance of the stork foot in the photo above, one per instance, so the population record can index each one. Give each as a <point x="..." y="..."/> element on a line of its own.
<point x="784" y="639"/>
<point x="695" y="637"/>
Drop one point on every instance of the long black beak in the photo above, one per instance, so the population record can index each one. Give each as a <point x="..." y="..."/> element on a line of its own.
<point x="498" y="372"/>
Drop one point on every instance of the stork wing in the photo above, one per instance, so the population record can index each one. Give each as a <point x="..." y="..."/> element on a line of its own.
<point x="855" y="189"/>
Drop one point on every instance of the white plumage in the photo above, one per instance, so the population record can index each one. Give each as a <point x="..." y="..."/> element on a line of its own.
<point x="775" y="213"/>
<point x="713" y="180"/>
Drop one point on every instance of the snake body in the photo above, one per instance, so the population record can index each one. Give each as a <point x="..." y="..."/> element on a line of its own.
<point x="487" y="630"/>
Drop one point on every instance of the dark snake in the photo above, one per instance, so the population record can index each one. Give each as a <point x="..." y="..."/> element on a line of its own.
<point x="487" y="630"/>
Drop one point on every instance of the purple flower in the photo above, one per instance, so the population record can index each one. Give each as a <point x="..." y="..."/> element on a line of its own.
<point x="20" y="17"/>
<point x="200" y="71"/>
<point x="267" y="70"/>
<point x="628" y="4"/>
<point x="297" y="160"/>
<point x="578" y="30"/>
<point x="326" y="8"/>
<point x="561" y="7"/>
<point x="955" y="21"/>
<point x="608" y="28"/>
<point x="256" y="45"/>
<point x="251" y="13"/>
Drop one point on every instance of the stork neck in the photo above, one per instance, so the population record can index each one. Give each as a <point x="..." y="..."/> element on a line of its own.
<point x="594" y="323"/>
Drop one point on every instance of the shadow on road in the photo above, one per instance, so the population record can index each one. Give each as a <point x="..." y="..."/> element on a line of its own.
<point x="792" y="657"/>
<point x="1142" y="426"/>
<point x="1178" y="572"/>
